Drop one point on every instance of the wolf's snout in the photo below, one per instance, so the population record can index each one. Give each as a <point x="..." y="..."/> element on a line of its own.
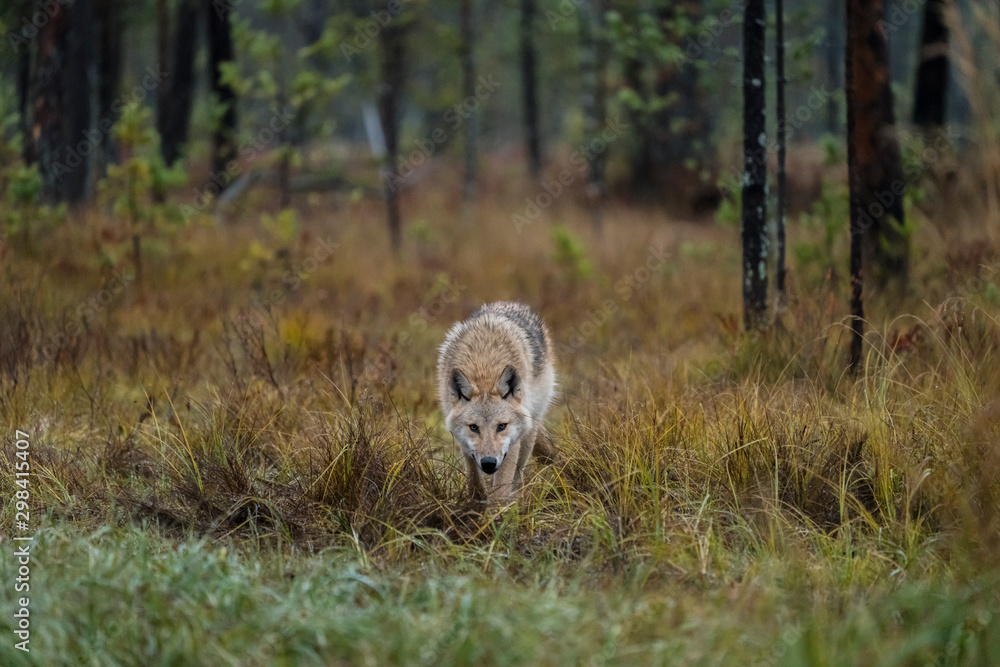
<point x="488" y="464"/>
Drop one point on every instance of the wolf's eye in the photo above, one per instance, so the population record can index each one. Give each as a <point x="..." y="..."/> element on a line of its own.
<point x="501" y="427"/>
<point x="474" y="428"/>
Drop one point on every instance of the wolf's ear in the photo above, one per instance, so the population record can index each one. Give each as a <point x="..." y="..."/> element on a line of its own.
<point x="509" y="383"/>
<point x="461" y="388"/>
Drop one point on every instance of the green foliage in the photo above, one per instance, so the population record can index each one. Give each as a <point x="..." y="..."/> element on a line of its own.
<point x="136" y="187"/>
<point x="829" y="216"/>
<point x="570" y="253"/>
<point x="282" y="228"/>
<point x="293" y="87"/>
<point x="730" y="211"/>
<point x="24" y="218"/>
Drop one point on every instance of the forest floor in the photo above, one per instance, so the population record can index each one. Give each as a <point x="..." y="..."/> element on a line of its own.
<point x="237" y="457"/>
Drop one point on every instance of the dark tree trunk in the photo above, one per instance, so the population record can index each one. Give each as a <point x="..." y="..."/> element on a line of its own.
<point x="854" y="181"/>
<point x="175" y="109"/>
<point x="754" y="229"/>
<point x="466" y="23"/>
<point x="779" y="59"/>
<point x="23" y="95"/>
<point x="392" y="78"/>
<point x="641" y="159"/>
<point x="110" y="31"/>
<point x="932" y="72"/>
<point x="529" y="85"/>
<point x="313" y="19"/>
<point x="680" y="131"/>
<point x="594" y="53"/>
<point x="220" y="50"/>
<point x="80" y="57"/>
<point x="60" y="102"/>
<point x="162" y="8"/>
<point x="879" y="166"/>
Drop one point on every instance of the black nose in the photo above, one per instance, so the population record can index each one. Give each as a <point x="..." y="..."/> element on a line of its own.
<point x="488" y="464"/>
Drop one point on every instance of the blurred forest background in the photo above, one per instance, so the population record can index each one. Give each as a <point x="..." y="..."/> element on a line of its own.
<point x="312" y="95"/>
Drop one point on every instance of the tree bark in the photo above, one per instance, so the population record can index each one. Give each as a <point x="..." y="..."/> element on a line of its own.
<point x="79" y="86"/>
<point x="879" y="167"/>
<point x="23" y="95"/>
<point x="754" y="229"/>
<point x="779" y="59"/>
<point x="220" y="50"/>
<point x="60" y="93"/>
<point x="110" y="32"/>
<point x="392" y="79"/>
<point x="179" y="85"/>
<point x="529" y="86"/>
<point x="680" y="131"/>
<point x="641" y="158"/>
<point x="930" y="94"/>
<point x="466" y="28"/>
<point x="854" y="181"/>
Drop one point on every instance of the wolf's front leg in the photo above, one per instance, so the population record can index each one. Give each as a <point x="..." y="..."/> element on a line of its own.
<point x="474" y="483"/>
<point x="527" y="445"/>
<point x="504" y="479"/>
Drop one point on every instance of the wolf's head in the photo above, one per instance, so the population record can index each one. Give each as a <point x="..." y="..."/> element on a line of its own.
<point x="486" y="420"/>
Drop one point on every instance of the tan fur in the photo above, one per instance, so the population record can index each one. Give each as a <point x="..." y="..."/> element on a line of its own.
<point x="497" y="368"/>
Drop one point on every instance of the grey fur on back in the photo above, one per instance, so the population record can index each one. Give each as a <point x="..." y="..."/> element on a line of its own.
<point x="528" y="321"/>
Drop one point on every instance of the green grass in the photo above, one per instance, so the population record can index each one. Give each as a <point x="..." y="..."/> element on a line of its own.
<point x="128" y="596"/>
<point x="234" y="468"/>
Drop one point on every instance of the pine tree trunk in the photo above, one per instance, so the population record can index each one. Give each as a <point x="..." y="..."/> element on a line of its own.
<point x="220" y="50"/>
<point x="679" y="131"/>
<point x="779" y="59"/>
<point x="854" y="181"/>
<point x="466" y="23"/>
<point x="60" y="94"/>
<point x="177" y="89"/>
<point x="754" y="229"/>
<point x="392" y="79"/>
<point x="23" y="95"/>
<point x="529" y="85"/>
<point x="641" y="158"/>
<point x="930" y="94"/>
<point x="110" y="31"/>
<point x="879" y="166"/>
<point x="79" y="86"/>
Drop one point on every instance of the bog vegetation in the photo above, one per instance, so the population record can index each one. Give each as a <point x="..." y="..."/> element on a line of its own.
<point x="238" y="459"/>
<point x="234" y="468"/>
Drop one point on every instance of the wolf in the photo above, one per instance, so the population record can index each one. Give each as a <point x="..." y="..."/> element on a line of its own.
<point x="496" y="379"/>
